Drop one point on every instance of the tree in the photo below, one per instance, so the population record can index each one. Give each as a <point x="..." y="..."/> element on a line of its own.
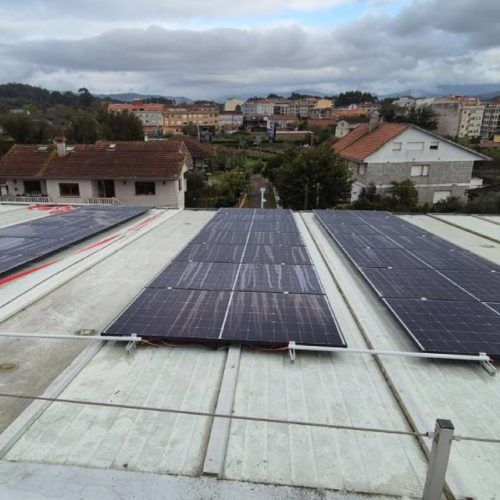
<point x="85" y="98"/>
<point x="353" y="97"/>
<point x="423" y="116"/>
<point x="123" y="126"/>
<point x="404" y="195"/>
<point x="190" y="129"/>
<point x="230" y="186"/>
<point x="25" y="130"/>
<point x="195" y="181"/>
<point x="84" y="128"/>
<point x="316" y="178"/>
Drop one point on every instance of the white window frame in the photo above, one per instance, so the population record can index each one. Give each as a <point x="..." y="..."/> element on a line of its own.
<point x="434" y="145"/>
<point x="419" y="171"/>
<point x="415" y="146"/>
<point x="397" y="146"/>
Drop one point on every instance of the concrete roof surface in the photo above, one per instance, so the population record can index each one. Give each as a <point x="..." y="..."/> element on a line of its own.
<point x="56" y="449"/>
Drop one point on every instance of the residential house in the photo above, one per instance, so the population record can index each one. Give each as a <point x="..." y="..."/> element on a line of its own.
<point x="150" y="114"/>
<point x="201" y="153"/>
<point x="380" y="153"/>
<point x="131" y="173"/>
<point x="344" y="127"/>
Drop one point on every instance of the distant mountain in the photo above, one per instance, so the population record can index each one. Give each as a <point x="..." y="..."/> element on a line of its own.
<point x="483" y="91"/>
<point x="128" y="97"/>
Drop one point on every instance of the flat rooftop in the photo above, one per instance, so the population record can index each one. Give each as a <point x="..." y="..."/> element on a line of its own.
<point x="150" y="427"/>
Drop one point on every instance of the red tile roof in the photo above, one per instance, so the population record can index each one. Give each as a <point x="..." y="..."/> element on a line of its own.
<point x="361" y="143"/>
<point x="126" y="160"/>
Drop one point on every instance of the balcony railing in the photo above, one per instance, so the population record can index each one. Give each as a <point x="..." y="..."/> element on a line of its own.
<point x="10" y="198"/>
<point x="103" y="201"/>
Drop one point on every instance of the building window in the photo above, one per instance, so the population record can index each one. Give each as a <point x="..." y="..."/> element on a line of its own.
<point x="145" y="188"/>
<point x="434" y="145"/>
<point x="71" y="189"/>
<point x="420" y="170"/>
<point x="415" y="146"/>
<point x="440" y="196"/>
<point x="32" y="187"/>
<point x="396" y="146"/>
<point x="361" y="168"/>
<point x="180" y="183"/>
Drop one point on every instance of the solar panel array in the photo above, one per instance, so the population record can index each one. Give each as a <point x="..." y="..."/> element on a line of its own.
<point x="23" y="243"/>
<point x="446" y="298"/>
<point x="246" y="277"/>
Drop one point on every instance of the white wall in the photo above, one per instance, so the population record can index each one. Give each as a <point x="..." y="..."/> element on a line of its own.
<point x="87" y="190"/>
<point x="445" y="152"/>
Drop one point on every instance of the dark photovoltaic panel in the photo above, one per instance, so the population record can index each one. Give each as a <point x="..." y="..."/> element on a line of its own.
<point x="386" y="257"/>
<point x="268" y="238"/>
<point x="174" y="314"/>
<point x="484" y="285"/>
<point x="364" y="240"/>
<point x="266" y="254"/>
<point x="461" y="327"/>
<point x="494" y="306"/>
<point x="197" y="276"/>
<point x="348" y="229"/>
<point x="211" y="253"/>
<point x="246" y="277"/>
<point x="454" y="260"/>
<point x="277" y="278"/>
<point x="280" y="318"/>
<point x="25" y="242"/>
<point x="440" y="303"/>
<point x="413" y="284"/>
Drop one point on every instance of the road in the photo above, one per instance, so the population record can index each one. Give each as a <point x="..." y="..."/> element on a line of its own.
<point x="257" y="181"/>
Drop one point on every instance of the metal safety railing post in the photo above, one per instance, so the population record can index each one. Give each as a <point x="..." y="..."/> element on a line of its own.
<point x="438" y="460"/>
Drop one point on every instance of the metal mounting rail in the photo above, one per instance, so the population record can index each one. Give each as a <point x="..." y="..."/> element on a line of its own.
<point x="484" y="359"/>
<point x="131" y="338"/>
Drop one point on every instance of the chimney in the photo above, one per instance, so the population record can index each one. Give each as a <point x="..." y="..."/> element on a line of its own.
<point x="374" y="121"/>
<point x="60" y="143"/>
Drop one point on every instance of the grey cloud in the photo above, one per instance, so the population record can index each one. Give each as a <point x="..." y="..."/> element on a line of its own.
<point x="419" y="47"/>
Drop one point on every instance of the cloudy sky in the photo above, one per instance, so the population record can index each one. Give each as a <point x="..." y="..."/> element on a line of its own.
<point x="218" y="48"/>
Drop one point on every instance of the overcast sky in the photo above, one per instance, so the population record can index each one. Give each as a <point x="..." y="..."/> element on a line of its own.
<point x="218" y="48"/>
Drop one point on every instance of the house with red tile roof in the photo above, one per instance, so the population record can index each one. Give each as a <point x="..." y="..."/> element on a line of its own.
<point x="129" y="173"/>
<point x="381" y="153"/>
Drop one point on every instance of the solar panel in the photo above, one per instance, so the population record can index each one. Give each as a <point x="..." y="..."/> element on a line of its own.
<point x="28" y="241"/>
<point x="413" y="284"/>
<point x="494" y="306"/>
<point x="387" y="257"/>
<point x="267" y="254"/>
<point x="275" y="227"/>
<point x="197" y="276"/>
<point x="364" y="240"/>
<point x="221" y="237"/>
<point x="421" y="241"/>
<point x="455" y="327"/>
<point x="211" y="253"/>
<point x="348" y="229"/>
<point x="454" y="259"/>
<point x="268" y="238"/>
<point x="271" y="318"/>
<point x="277" y="278"/>
<point x="484" y="285"/>
<point x="174" y="314"/>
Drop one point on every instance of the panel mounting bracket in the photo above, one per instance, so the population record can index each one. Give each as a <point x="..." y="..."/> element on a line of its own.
<point x="291" y="351"/>
<point x="488" y="366"/>
<point x="132" y="344"/>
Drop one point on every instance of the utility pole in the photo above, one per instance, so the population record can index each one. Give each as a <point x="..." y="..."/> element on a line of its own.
<point x="317" y="195"/>
<point x="262" y="199"/>
<point x="305" y="196"/>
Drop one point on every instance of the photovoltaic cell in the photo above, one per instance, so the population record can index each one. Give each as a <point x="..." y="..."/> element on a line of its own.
<point x="221" y="237"/>
<point x="454" y="260"/>
<point x="364" y="240"/>
<point x="461" y="327"/>
<point x="484" y="285"/>
<point x="211" y="253"/>
<point x="277" y="278"/>
<point x="421" y="242"/>
<point x="494" y="306"/>
<point x="174" y="314"/>
<point x="271" y="318"/>
<point x="267" y="254"/>
<point x="273" y="239"/>
<point x="197" y="276"/>
<point x="413" y="284"/>
<point x="387" y="257"/>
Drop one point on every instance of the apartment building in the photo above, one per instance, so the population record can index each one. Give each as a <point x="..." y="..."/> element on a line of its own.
<point x="232" y="104"/>
<point x="306" y="108"/>
<point x="230" y="120"/>
<point x="458" y="116"/>
<point x="491" y="120"/>
<point x="176" y="117"/>
<point x="150" y="114"/>
<point x="381" y="153"/>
